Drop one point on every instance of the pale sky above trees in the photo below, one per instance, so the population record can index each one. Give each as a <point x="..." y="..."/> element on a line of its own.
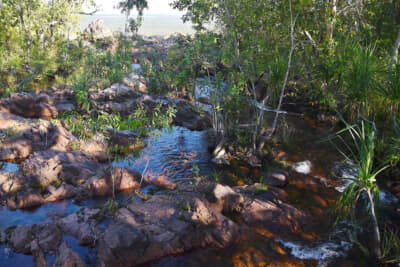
<point x="155" y="7"/>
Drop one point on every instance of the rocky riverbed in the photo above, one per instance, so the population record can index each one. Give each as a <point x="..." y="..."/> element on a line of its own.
<point x="69" y="202"/>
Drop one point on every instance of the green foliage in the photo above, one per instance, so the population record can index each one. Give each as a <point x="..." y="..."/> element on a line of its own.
<point x="390" y="246"/>
<point x="361" y="152"/>
<point x="32" y="33"/>
<point x="81" y="93"/>
<point x="86" y="126"/>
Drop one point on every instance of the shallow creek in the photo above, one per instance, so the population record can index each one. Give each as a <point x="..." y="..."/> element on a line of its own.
<point x="181" y="156"/>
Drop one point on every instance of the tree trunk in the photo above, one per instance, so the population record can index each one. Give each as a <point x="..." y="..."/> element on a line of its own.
<point x="331" y="22"/>
<point x="396" y="49"/>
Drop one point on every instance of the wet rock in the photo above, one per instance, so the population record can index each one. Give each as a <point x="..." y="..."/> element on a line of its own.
<point x="48" y="236"/>
<point x="29" y="199"/>
<point x="3" y="237"/>
<point x="81" y="225"/>
<point x="135" y="82"/>
<point x="228" y="199"/>
<point x="124" y="179"/>
<point x="20" y="239"/>
<point x="122" y="242"/>
<point x="265" y="208"/>
<point x="39" y="258"/>
<point x="46" y="167"/>
<point x="124" y="139"/>
<point x="162" y="226"/>
<point x="278" y="178"/>
<point x="189" y="118"/>
<point x="66" y="257"/>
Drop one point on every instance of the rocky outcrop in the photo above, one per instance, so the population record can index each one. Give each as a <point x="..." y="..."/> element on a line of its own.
<point x="97" y="30"/>
<point x="174" y="224"/>
<point x="50" y="176"/>
<point x="29" y="239"/>
<point x="42" y="135"/>
<point x="125" y="102"/>
<point x="161" y="226"/>
<point x="46" y="167"/>
<point x="34" y="106"/>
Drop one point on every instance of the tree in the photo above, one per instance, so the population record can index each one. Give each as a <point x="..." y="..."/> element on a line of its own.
<point x="127" y="6"/>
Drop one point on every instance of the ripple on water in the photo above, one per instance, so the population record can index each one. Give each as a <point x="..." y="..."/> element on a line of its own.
<point x="174" y="154"/>
<point x="38" y="215"/>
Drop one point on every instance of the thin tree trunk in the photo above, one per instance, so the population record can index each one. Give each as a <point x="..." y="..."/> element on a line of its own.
<point x="396" y="49"/>
<point x="375" y="225"/>
<point x="293" y="46"/>
<point x="331" y="23"/>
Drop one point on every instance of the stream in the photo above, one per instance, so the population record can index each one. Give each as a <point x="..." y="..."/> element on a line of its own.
<point x="181" y="156"/>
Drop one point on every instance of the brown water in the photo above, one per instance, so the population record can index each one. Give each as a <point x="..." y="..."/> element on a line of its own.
<point x="181" y="156"/>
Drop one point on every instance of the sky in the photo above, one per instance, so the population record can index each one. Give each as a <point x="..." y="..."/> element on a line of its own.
<point x="155" y="7"/>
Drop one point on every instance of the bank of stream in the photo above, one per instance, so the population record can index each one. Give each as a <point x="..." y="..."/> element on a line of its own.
<point x="182" y="156"/>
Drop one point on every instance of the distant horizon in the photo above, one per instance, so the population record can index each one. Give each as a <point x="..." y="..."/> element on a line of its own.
<point x="153" y="24"/>
<point x="155" y="7"/>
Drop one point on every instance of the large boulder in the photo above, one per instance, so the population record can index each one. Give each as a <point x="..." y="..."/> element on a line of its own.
<point x="97" y="30"/>
<point x="162" y="226"/>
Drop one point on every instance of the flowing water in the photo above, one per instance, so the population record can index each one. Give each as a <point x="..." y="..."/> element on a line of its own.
<point x="181" y="155"/>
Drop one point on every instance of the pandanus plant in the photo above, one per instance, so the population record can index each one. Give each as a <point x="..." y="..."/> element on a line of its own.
<point x="361" y="152"/>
